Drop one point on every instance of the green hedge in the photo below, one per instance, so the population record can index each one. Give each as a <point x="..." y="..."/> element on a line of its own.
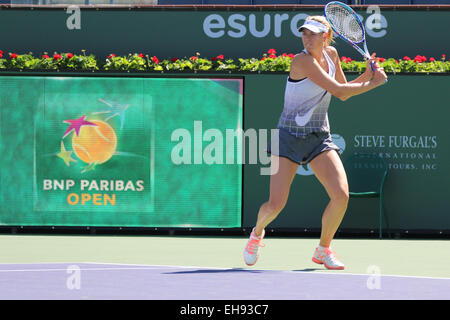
<point x="269" y="62"/>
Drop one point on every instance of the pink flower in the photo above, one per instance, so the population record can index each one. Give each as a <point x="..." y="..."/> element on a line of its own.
<point x="155" y="59"/>
<point x="381" y="59"/>
<point x="273" y="56"/>
<point x="220" y="56"/>
<point x="193" y="58"/>
<point x="141" y="55"/>
<point x="45" y="56"/>
<point x="406" y="58"/>
<point x="290" y="55"/>
<point x="57" y="56"/>
<point x="432" y="59"/>
<point x="271" y="51"/>
<point x="444" y="56"/>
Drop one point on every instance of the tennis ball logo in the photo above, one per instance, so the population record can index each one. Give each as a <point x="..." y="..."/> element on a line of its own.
<point x="95" y="144"/>
<point x="93" y="141"/>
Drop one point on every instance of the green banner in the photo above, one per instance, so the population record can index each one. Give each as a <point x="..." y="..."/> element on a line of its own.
<point x="97" y="151"/>
<point x="233" y="33"/>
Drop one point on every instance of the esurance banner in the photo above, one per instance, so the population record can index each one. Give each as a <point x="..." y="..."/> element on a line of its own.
<point x="232" y="33"/>
<point x="105" y="152"/>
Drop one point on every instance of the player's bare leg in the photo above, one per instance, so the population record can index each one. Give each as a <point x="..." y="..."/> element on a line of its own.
<point x="280" y="183"/>
<point x="329" y="170"/>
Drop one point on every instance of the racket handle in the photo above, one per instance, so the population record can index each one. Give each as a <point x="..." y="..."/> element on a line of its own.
<point x="374" y="66"/>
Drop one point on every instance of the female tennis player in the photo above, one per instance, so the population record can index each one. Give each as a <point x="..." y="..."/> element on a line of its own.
<point x="304" y="135"/>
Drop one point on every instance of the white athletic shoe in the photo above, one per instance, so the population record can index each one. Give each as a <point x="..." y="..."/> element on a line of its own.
<point x="251" y="249"/>
<point x="328" y="258"/>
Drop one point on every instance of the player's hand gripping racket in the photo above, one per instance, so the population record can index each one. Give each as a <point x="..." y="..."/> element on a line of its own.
<point x="347" y="25"/>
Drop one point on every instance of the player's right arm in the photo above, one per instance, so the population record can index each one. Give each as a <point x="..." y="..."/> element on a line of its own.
<point x="304" y="65"/>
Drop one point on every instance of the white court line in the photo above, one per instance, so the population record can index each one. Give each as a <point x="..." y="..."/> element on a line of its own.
<point x="153" y="267"/>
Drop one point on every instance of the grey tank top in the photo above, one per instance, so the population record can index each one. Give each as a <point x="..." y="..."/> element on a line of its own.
<point x="306" y="105"/>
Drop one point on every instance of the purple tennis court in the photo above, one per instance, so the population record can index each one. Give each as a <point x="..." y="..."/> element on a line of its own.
<point x="119" y="281"/>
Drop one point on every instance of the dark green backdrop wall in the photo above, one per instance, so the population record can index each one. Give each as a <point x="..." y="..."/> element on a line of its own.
<point x="234" y="33"/>
<point x="405" y="121"/>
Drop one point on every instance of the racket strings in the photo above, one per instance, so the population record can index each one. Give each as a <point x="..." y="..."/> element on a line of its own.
<point x="344" y="23"/>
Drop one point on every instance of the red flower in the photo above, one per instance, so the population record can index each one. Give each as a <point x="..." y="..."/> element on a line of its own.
<point x="420" y="59"/>
<point x="432" y="59"/>
<point x="271" y="51"/>
<point x="155" y="59"/>
<point x="213" y="59"/>
<point x="220" y="56"/>
<point x="1" y="52"/>
<point x="263" y="58"/>
<point x="57" y="56"/>
<point x="284" y="54"/>
<point x="141" y="55"/>
<point x="174" y="59"/>
<point x="70" y="55"/>
<point x="290" y="55"/>
<point x="381" y="59"/>
<point x="193" y="58"/>
<point x="273" y="56"/>
<point x="112" y="55"/>
<point x="346" y="59"/>
<point x="396" y="61"/>
<point x="45" y="56"/>
<point x="443" y="56"/>
<point x="406" y="58"/>
<point x="13" y="55"/>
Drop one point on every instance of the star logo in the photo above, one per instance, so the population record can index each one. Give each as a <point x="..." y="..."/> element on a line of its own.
<point x="65" y="155"/>
<point x="115" y="109"/>
<point x="76" y="125"/>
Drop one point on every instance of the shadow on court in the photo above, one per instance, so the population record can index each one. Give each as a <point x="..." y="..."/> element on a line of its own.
<point x="309" y="270"/>
<point x="234" y="270"/>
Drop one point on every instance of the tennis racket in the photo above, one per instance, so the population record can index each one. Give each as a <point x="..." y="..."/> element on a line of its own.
<point x="347" y="25"/>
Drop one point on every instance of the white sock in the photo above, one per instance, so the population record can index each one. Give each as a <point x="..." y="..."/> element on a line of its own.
<point x="321" y="248"/>
<point x="254" y="234"/>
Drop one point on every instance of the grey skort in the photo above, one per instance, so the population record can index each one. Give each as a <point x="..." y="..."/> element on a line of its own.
<point x="302" y="150"/>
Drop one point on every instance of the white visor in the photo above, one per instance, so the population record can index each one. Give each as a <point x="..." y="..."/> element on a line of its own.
<point x="314" y="26"/>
